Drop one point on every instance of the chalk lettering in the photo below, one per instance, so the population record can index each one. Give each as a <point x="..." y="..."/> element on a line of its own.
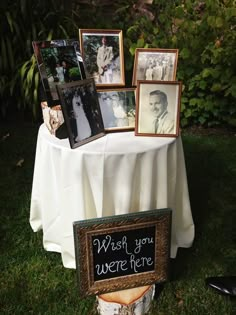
<point x="108" y="242"/>
<point x="105" y="243"/>
<point x="142" y="241"/>
<point x="113" y="266"/>
<point x="140" y="262"/>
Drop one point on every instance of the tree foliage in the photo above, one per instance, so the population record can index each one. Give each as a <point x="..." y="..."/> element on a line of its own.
<point x="204" y="31"/>
<point x="21" y="22"/>
<point x="205" y="34"/>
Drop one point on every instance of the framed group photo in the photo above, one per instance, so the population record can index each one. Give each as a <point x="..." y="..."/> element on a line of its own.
<point x="155" y="64"/>
<point x="59" y="62"/>
<point x="158" y="108"/>
<point x="103" y="56"/>
<point x="81" y="111"/>
<point x="118" y="108"/>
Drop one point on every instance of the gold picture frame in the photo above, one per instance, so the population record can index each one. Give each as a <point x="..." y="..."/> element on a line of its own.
<point x="103" y="55"/>
<point x="158" y="108"/>
<point x="123" y="251"/>
<point x="155" y="64"/>
<point x="118" y="108"/>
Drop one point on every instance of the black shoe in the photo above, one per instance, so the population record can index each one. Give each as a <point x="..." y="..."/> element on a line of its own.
<point x="224" y="285"/>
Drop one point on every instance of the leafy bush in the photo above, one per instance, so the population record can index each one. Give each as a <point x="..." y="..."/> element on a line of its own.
<point x="205" y="34"/>
<point x="210" y="90"/>
<point x="203" y="31"/>
<point x="21" y="22"/>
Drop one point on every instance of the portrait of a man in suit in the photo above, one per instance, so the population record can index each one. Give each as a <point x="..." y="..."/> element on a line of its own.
<point x="104" y="62"/>
<point x="163" y="122"/>
<point x="158" y="108"/>
<point x="102" y="51"/>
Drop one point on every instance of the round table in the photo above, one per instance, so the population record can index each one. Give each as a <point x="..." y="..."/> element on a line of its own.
<point x="115" y="174"/>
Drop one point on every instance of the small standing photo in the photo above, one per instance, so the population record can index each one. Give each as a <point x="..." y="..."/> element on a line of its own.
<point x="81" y="111"/>
<point x="158" y="108"/>
<point x="103" y="55"/>
<point x="155" y="64"/>
<point x="59" y="62"/>
<point x="118" y="108"/>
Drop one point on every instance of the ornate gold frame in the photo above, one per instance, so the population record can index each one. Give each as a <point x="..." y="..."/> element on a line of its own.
<point x="90" y="40"/>
<point x="84" y="231"/>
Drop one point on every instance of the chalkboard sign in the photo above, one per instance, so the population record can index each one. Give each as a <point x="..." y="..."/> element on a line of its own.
<point x="122" y="251"/>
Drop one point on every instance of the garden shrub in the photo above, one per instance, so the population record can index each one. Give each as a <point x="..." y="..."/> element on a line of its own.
<point x="203" y="31"/>
<point x="21" y="22"/>
<point x="205" y="34"/>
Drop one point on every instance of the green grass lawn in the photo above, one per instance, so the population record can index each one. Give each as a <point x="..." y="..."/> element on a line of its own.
<point x="33" y="281"/>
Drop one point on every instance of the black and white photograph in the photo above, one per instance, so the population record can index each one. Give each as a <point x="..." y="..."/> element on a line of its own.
<point x="118" y="108"/>
<point x="102" y="52"/>
<point x="81" y="111"/>
<point x="59" y="61"/>
<point x="158" y="108"/>
<point x="155" y="64"/>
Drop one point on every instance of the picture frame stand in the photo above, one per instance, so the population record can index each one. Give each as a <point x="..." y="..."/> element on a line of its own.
<point x="135" y="301"/>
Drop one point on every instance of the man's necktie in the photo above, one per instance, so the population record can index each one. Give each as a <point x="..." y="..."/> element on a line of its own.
<point x="156" y="125"/>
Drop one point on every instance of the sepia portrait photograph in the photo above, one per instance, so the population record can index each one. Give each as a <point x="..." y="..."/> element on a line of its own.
<point x="59" y="61"/>
<point x="81" y="111"/>
<point x="102" y="51"/>
<point x="118" y="108"/>
<point x="158" y="108"/>
<point x="154" y="64"/>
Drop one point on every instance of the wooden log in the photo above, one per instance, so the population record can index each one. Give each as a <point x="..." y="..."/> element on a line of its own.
<point x="135" y="301"/>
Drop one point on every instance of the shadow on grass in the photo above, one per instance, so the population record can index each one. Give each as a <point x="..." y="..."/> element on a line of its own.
<point x="210" y="165"/>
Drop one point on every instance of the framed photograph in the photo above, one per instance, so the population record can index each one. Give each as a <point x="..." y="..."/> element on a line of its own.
<point x="155" y="64"/>
<point x="158" y="108"/>
<point x="59" y="62"/>
<point x="103" y="55"/>
<point x="123" y="251"/>
<point x="52" y="117"/>
<point x="118" y="108"/>
<point x="81" y="111"/>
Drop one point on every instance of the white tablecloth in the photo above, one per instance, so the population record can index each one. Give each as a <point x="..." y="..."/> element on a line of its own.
<point x="116" y="174"/>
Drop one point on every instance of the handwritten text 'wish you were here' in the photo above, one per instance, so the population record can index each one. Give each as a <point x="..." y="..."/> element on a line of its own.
<point x="123" y="253"/>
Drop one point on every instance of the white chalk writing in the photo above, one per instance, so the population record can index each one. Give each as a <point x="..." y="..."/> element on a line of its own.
<point x="108" y="243"/>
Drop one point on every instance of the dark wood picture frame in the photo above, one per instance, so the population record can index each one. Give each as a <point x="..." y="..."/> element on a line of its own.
<point x="118" y="108"/>
<point x="103" y="56"/>
<point x="155" y="64"/>
<point x="81" y="111"/>
<point x="59" y="61"/>
<point x="158" y="108"/>
<point x="139" y="241"/>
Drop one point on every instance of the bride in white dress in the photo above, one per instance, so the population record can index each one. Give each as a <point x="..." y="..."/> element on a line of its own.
<point x="83" y="127"/>
<point x="60" y="73"/>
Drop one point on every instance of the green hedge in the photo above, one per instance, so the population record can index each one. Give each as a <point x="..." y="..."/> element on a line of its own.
<point x="205" y="34"/>
<point x="203" y="31"/>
